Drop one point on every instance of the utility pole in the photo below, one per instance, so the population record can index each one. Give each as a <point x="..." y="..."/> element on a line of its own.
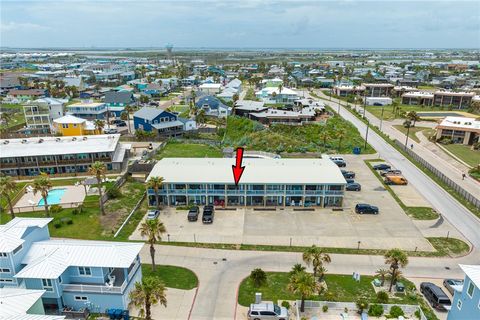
<point x="381" y="119"/>
<point x="366" y="135"/>
<point x="406" y="140"/>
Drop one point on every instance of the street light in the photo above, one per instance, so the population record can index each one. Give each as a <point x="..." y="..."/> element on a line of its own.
<point x="408" y="132"/>
<point x="381" y="119"/>
<point x="366" y="135"/>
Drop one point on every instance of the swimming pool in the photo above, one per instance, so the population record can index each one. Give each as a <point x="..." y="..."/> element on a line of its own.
<point x="439" y="114"/>
<point x="54" y="197"/>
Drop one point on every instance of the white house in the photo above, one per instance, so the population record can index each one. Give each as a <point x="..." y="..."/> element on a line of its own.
<point x="210" y="88"/>
<point x="275" y="95"/>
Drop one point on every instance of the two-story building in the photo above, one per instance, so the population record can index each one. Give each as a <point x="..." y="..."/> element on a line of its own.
<point x="264" y="183"/>
<point x="162" y="122"/>
<point x="59" y="155"/>
<point x="40" y="114"/>
<point x="213" y="106"/>
<point x="73" y="126"/>
<point x="466" y="299"/>
<point x="76" y="274"/>
<point x="273" y="95"/>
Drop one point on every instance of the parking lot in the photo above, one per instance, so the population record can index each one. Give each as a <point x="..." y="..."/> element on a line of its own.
<point x="324" y="227"/>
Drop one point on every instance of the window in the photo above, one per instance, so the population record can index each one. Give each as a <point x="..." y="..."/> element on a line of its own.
<point x="3" y="254"/>
<point x="84" y="271"/>
<point x="81" y="298"/>
<point x="65" y="126"/>
<point x="60" y="279"/>
<point x="17" y="249"/>
<point x="47" y="284"/>
<point x="6" y="280"/>
<point x="471" y="289"/>
<point x="4" y="270"/>
<point x="459" y="304"/>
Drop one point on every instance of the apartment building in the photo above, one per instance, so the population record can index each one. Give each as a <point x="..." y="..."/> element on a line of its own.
<point x="418" y="98"/>
<point x="77" y="274"/>
<point x="264" y="183"/>
<point x="347" y="90"/>
<point x="460" y="129"/>
<point x="60" y="155"/>
<point x="378" y="89"/>
<point x="90" y="110"/>
<point x="460" y="100"/>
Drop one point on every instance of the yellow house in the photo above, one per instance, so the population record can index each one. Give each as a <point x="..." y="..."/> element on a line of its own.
<point x="73" y="126"/>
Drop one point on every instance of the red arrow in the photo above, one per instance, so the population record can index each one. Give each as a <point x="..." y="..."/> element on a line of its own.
<point x="237" y="168"/>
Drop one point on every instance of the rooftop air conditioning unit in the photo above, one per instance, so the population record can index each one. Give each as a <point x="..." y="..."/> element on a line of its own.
<point x="57" y="139"/>
<point x="84" y="138"/>
<point x="74" y="139"/>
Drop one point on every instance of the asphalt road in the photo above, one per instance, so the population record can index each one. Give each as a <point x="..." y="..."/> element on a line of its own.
<point x="460" y="217"/>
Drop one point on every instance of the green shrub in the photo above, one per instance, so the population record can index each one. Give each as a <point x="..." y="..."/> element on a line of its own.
<point x="114" y="192"/>
<point x="55" y="209"/>
<point x="286" y="304"/>
<point x="382" y="297"/>
<point x="362" y="304"/>
<point x="57" y="225"/>
<point x="375" y="310"/>
<point x="75" y="212"/>
<point x="330" y="296"/>
<point x="325" y="308"/>
<point x="396" y="312"/>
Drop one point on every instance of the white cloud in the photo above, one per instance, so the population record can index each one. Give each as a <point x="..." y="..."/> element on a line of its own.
<point x="21" y="26"/>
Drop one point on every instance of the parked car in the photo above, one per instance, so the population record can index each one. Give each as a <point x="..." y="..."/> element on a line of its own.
<point x="396" y="180"/>
<point x="390" y="172"/>
<point x="110" y="131"/>
<point x="363" y="208"/>
<point x="152" y="214"/>
<point x="435" y="296"/>
<point x="354" y="186"/>
<point x="348" y="174"/>
<point x="382" y="166"/>
<point x="339" y="161"/>
<point x="208" y="214"/>
<point x="121" y="124"/>
<point x="116" y="121"/>
<point x="350" y="181"/>
<point x="267" y="311"/>
<point x="193" y="214"/>
<point x="450" y="283"/>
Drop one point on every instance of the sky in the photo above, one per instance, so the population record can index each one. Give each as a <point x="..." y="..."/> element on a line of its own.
<point x="240" y="23"/>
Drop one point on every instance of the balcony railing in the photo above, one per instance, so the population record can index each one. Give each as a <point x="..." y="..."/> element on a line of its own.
<point x="87" y="288"/>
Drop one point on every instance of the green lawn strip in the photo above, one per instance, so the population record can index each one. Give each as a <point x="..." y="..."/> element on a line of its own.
<point x="175" y="149"/>
<point x="172" y="276"/>
<point x="132" y="224"/>
<point x="449" y="246"/>
<point x="341" y="288"/>
<point x="464" y="153"/>
<point x="255" y="247"/>
<point x="419" y="213"/>
<point x="431" y="175"/>
<point x="412" y="134"/>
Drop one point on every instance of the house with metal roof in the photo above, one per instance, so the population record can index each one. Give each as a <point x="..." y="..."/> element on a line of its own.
<point x="119" y="98"/>
<point x="213" y="106"/>
<point x="264" y="183"/>
<point x="466" y="298"/>
<point x="74" y="274"/>
<point x="162" y="122"/>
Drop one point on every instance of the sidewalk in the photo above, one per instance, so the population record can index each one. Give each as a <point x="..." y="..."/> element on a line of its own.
<point x="453" y="171"/>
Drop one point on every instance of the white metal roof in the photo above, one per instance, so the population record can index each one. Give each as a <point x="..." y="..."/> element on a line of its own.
<point x="69" y="119"/>
<point x="11" y="233"/>
<point x="57" y="145"/>
<point x="473" y="272"/>
<point x="32" y="317"/>
<point x="461" y="123"/>
<point x="49" y="259"/>
<point x="17" y="301"/>
<point x="219" y="170"/>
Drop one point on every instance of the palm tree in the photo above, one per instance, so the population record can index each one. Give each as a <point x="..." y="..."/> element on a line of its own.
<point x="413" y="116"/>
<point x="397" y="259"/>
<point x="146" y="294"/>
<point x="42" y="185"/>
<point x="323" y="137"/>
<point x="280" y="88"/>
<point x="7" y="186"/>
<point x="155" y="183"/>
<point x="382" y="274"/>
<point x="98" y="169"/>
<point x="258" y="277"/>
<point x="153" y="230"/>
<point x="99" y="125"/>
<point x="303" y="284"/>
<point x="201" y="117"/>
<point x="341" y="133"/>
<point x="315" y="256"/>
<point x="297" y="267"/>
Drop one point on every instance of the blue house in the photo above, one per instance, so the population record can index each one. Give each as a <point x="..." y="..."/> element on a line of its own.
<point x="213" y="106"/>
<point x="466" y="300"/>
<point x="162" y="122"/>
<point x="76" y="274"/>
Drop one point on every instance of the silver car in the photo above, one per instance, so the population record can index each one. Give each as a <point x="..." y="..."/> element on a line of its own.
<point x="267" y="311"/>
<point x="152" y="214"/>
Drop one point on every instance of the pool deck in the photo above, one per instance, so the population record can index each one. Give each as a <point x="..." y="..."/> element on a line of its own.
<point x="71" y="198"/>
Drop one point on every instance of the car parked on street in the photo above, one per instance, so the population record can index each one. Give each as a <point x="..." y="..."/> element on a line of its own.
<point x="152" y="214"/>
<point x="382" y="166"/>
<point x="350" y="181"/>
<point x="354" y="186"/>
<point x="208" y="214"/>
<point x="121" y="123"/>
<point x="450" y="283"/>
<point x="435" y="296"/>
<point x="110" y="131"/>
<point x="267" y="311"/>
<point x="348" y="174"/>
<point x="364" y="208"/>
<point x="193" y="213"/>
<point x="390" y="172"/>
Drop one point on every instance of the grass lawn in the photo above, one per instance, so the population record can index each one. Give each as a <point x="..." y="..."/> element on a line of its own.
<point x="18" y="117"/>
<point x="340" y="288"/>
<point x="172" y="276"/>
<point x="281" y="138"/>
<point x="464" y="153"/>
<point x="182" y="110"/>
<point x="175" y="149"/>
<point x="413" y="131"/>
<point x="450" y="246"/>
